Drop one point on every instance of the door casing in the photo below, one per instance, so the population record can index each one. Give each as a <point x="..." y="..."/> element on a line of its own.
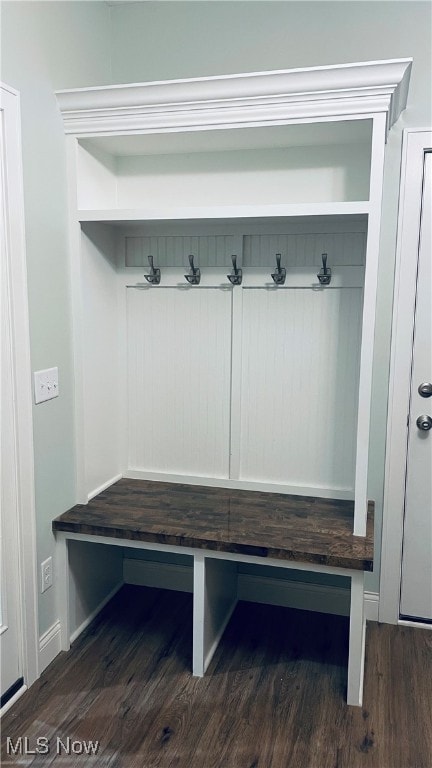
<point x="21" y="374"/>
<point x="416" y="141"/>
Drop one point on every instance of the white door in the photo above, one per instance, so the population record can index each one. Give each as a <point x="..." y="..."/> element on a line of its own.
<point x="416" y="586"/>
<point x="10" y="633"/>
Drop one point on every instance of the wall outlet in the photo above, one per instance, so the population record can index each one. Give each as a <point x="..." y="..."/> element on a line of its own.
<point x="46" y="385"/>
<point x="46" y="574"/>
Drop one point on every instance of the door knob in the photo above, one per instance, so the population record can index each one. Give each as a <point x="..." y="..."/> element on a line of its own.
<point x="424" y="423"/>
<point x="425" y="390"/>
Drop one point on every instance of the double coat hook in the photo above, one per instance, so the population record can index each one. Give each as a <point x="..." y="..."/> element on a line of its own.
<point x="155" y="273"/>
<point x="324" y="275"/>
<point x="280" y="274"/>
<point x="236" y="275"/>
<point x="194" y="275"/>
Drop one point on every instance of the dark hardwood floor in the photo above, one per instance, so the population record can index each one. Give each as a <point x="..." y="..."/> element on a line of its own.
<point x="273" y="696"/>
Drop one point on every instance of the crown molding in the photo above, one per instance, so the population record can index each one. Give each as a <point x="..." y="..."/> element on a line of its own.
<point x="256" y="98"/>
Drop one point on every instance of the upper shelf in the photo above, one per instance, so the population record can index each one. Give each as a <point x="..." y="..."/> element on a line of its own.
<point x="226" y="146"/>
<point x="256" y="98"/>
<point x="299" y="211"/>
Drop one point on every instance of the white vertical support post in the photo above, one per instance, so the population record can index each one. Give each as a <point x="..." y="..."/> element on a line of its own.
<point x="62" y="576"/>
<point x="357" y="636"/>
<point x="123" y="374"/>
<point x="368" y="324"/>
<point x="215" y="597"/>
<point x="198" y="615"/>
<point x="77" y="315"/>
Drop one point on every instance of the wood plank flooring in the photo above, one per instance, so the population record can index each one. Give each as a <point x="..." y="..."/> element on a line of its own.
<point x="300" y="528"/>
<point x="273" y="696"/>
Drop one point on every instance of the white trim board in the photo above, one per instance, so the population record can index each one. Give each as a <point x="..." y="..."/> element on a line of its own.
<point x="49" y="645"/>
<point x="415" y="143"/>
<point x="331" y="92"/>
<point x="10" y="106"/>
<point x="259" y="589"/>
<point x="50" y="641"/>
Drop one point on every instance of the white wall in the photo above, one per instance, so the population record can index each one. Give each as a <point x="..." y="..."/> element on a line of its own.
<point x="45" y="46"/>
<point x="158" y="40"/>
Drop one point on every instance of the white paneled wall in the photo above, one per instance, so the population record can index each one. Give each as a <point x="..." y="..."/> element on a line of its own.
<point x="305" y="249"/>
<point x="299" y="386"/>
<point x="249" y="384"/>
<point x="174" y="250"/>
<point x="179" y="359"/>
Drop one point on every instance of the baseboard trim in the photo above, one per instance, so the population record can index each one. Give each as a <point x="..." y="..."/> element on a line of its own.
<point x="12" y="700"/>
<point x="371" y="606"/>
<point x="150" y="573"/>
<point x="94" y="613"/>
<point x="49" y="645"/>
<point x="257" y="589"/>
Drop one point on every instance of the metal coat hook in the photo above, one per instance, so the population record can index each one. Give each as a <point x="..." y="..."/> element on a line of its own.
<point x="236" y="275"/>
<point x="155" y="273"/>
<point x="324" y="275"/>
<point x="280" y="274"/>
<point x="194" y="275"/>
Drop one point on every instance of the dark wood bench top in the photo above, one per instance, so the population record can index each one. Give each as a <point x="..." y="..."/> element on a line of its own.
<point x="301" y="528"/>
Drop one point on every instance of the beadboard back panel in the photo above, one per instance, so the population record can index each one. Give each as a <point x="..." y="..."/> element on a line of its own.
<point x="101" y="344"/>
<point x="252" y="250"/>
<point x="178" y="374"/>
<point x="174" y="250"/>
<point x="305" y="249"/>
<point x="299" y="386"/>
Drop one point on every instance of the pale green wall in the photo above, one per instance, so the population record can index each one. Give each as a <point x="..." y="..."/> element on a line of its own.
<point x="52" y="45"/>
<point x="162" y="40"/>
<point x="47" y="46"/>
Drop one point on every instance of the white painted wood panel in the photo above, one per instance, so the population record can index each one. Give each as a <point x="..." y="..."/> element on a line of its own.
<point x="300" y="362"/>
<point x="215" y="597"/>
<point x="323" y="174"/>
<point x="305" y="249"/>
<point x="174" y="250"/>
<point x="179" y="360"/>
<point x="101" y="331"/>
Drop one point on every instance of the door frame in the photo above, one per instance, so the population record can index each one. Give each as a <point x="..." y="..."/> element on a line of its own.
<point x="28" y="613"/>
<point x="416" y="142"/>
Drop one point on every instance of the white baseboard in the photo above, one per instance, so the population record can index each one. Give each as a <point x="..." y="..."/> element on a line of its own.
<point x="371" y="605"/>
<point x="6" y="707"/>
<point x="257" y="589"/>
<point x="49" y="645"/>
<point x="50" y="641"/>
<point x="294" y="594"/>
<point x="94" y="613"/>
<point x="148" y="573"/>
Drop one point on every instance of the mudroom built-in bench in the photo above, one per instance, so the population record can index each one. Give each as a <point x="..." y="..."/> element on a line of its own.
<point x="224" y="239"/>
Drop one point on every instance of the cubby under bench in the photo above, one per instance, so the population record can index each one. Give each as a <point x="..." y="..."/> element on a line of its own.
<point x="220" y="528"/>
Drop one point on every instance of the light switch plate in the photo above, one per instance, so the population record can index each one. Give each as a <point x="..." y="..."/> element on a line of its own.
<point x="46" y="385"/>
